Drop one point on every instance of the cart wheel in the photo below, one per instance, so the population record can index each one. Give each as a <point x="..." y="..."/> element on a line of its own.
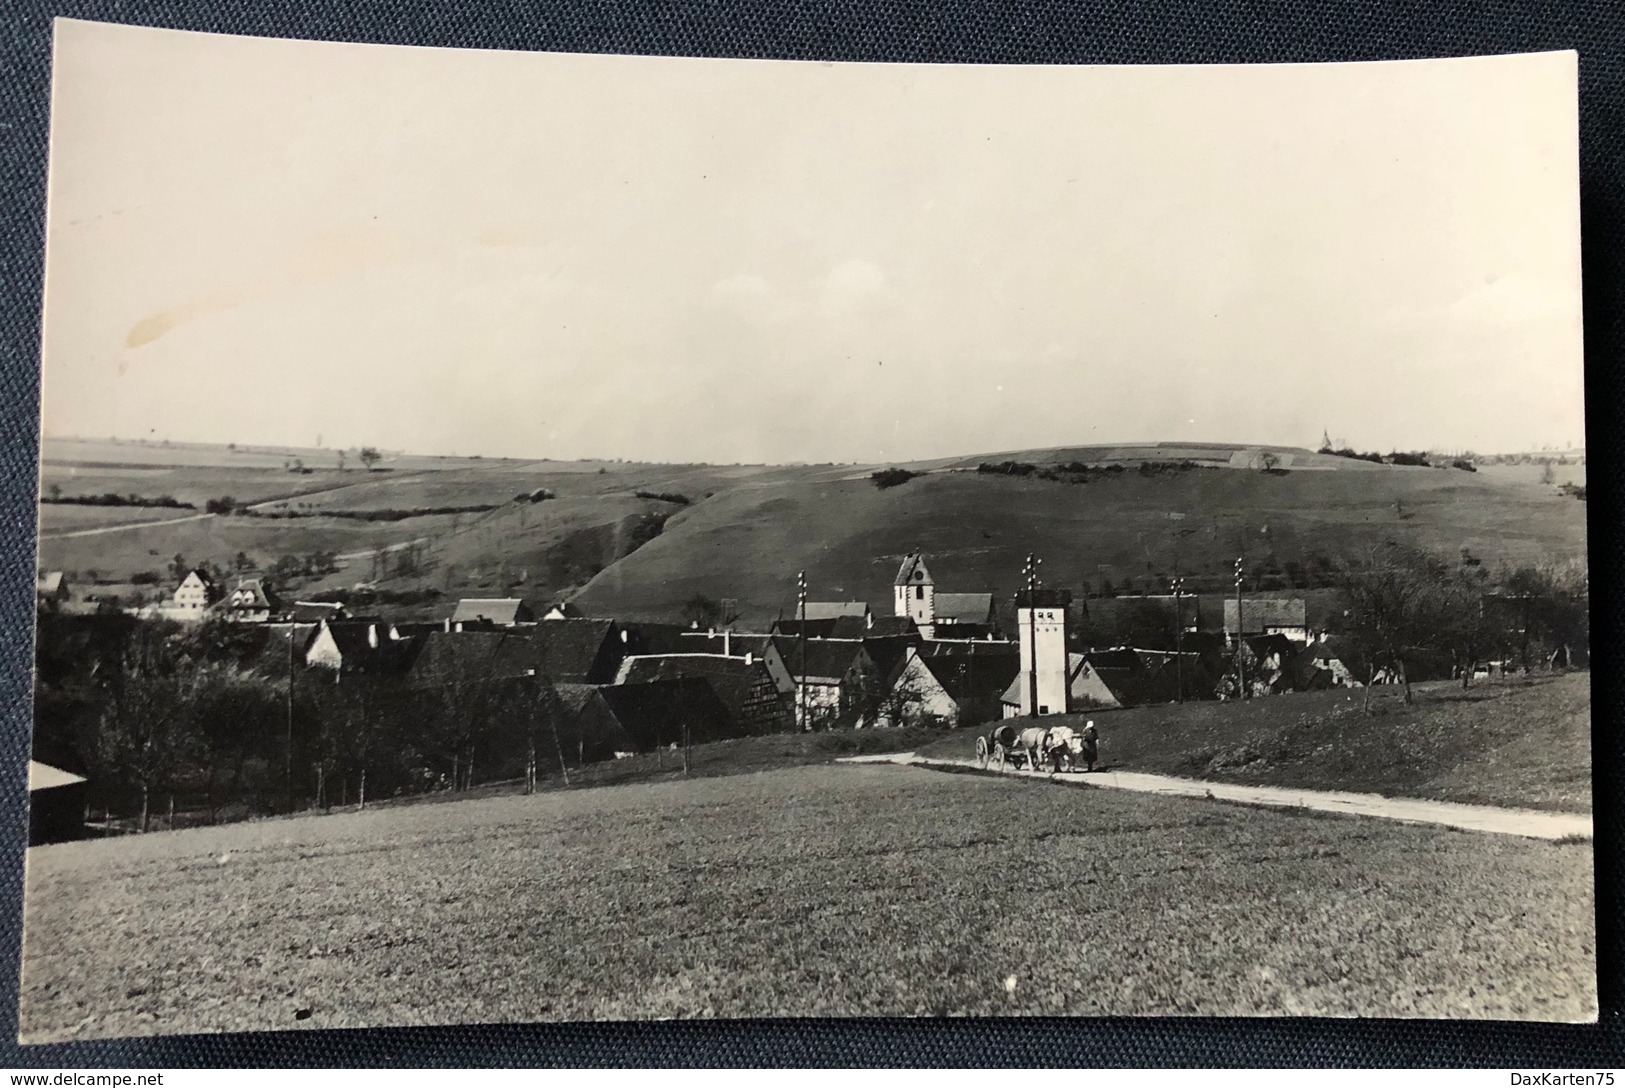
<point x="982" y="754"/>
<point x="998" y="756"/>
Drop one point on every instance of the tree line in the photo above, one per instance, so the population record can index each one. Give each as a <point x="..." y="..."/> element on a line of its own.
<point x="226" y="722"/>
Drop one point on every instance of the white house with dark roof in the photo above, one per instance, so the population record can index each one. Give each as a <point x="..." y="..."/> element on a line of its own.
<point x="193" y="596"/>
<point x="251" y="602"/>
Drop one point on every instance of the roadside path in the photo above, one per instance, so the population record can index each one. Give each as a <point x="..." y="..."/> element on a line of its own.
<point x="1529" y="823"/>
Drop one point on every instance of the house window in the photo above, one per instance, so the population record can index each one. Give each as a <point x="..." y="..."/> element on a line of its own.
<point x="919" y="576"/>
<point x="1042" y="709"/>
<point x="919" y="593"/>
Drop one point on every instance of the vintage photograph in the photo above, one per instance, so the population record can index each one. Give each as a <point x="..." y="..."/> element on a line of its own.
<point x="544" y="537"/>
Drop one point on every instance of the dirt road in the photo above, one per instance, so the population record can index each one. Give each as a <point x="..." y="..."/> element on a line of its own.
<point x="123" y="528"/>
<point x="1528" y="823"/>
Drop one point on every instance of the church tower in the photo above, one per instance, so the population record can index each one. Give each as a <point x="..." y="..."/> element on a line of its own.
<point x="914" y="593"/>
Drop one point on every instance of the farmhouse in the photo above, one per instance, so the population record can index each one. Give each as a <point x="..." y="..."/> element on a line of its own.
<point x="741" y="684"/>
<point x="947" y="689"/>
<point x="959" y="614"/>
<point x="762" y="648"/>
<point x="1267" y="616"/>
<point x="444" y="657"/>
<point x="667" y="713"/>
<point x="357" y="646"/>
<point x="564" y="651"/>
<point x="317" y="611"/>
<point x="500" y="612"/>
<point x="194" y="596"/>
<point x="831" y="677"/>
<point x="251" y="602"/>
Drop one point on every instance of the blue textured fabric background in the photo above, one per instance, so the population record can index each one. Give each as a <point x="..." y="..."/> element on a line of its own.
<point x="1113" y="32"/>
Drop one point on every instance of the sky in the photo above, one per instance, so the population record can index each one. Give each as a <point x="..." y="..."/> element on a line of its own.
<point x="549" y="255"/>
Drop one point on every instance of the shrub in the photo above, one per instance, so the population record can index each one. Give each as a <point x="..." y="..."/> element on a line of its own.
<point x="891" y="477"/>
<point x="1411" y="458"/>
<point x="1007" y="468"/>
<point x="1465" y="466"/>
<point x="541" y="494"/>
<point x="225" y="504"/>
<point x="146" y="578"/>
<point x="663" y="496"/>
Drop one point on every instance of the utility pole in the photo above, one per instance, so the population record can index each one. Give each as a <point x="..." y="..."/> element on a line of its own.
<point x="801" y="635"/>
<point x="1179" y="634"/>
<point x="288" y="762"/>
<point x="1031" y="576"/>
<point x="1241" y="661"/>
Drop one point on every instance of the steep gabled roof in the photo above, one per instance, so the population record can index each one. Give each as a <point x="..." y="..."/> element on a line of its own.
<point x="712" y="643"/>
<point x="503" y="610"/>
<point x="442" y="657"/>
<point x="891" y="627"/>
<point x="660" y="638"/>
<point x="888" y="654"/>
<point x="357" y="652"/>
<point x="256" y="596"/>
<point x="1261" y="612"/>
<point x="815" y="628"/>
<point x="828" y="660"/>
<point x="970" y="677"/>
<point x="833" y="610"/>
<point x="964" y="607"/>
<point x="49" y="582"/>
<point x="654" y="715"/>
<point x="576" y="651"/>
<point x="317" y="611"/>
<point x="912" y="565"/>
<point x="730" y="678"/>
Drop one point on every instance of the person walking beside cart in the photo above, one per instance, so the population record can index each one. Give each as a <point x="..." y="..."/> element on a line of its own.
<point x="1090" y="751"/>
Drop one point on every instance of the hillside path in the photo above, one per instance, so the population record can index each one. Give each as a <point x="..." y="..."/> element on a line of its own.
<point x="1528" y="823"/>
<point x="124" y="528"/>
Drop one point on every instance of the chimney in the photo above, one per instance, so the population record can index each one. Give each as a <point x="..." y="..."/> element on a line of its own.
<point x="750" y="658"/>
<point x="727" y="642"/>
<point x="868" y="620"/>
<point x="625" y="636"/>
<point x="448" y="627"/>
<point x="372" y="635"/>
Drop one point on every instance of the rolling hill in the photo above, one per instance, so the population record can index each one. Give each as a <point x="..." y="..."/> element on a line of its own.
<point x="746" y="530"/>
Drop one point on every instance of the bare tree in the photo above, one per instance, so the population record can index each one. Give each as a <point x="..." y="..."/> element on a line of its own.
<point x="370" y="457"/>
<point x="146" y="729"/>
<point x="1388" y="601"/>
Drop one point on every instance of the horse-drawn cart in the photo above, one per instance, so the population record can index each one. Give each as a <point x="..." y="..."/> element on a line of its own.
<point x="1060" y="748"/>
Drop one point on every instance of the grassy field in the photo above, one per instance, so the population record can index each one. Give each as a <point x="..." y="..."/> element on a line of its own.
<point x="834" y="890"/>
<point x="1522" y="743"/>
